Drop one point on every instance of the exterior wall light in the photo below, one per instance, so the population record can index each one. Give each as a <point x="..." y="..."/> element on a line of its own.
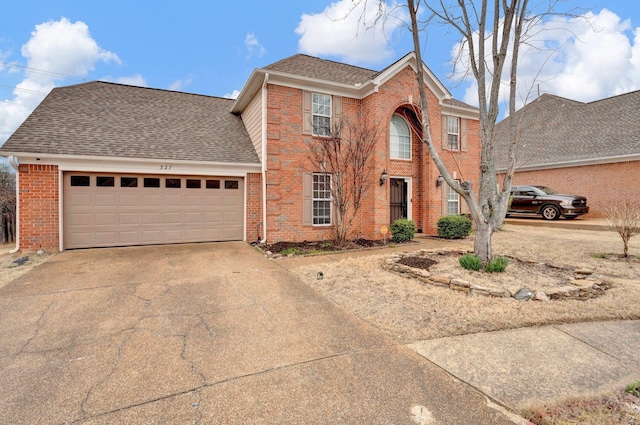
<point x="439" y="181"/>
<point x="383" y="177"/>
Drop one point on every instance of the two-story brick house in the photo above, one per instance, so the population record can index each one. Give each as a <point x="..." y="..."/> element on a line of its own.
<point x="103" y="164"/>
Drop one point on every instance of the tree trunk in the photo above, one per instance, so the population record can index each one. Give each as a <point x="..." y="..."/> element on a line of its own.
<point x="482" y="242"/>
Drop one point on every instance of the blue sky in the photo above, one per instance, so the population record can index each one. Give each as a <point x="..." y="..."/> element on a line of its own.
<point x="212" y="47"/>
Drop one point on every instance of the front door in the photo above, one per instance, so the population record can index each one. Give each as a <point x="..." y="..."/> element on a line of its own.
<point x="398" y="199"/>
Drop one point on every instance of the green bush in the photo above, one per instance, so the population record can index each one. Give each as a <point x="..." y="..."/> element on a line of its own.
<point x="497" y="265"/>
<point x="403" y="230"/>
<point x="454" y="227"/>
<point x="470" y="262"/>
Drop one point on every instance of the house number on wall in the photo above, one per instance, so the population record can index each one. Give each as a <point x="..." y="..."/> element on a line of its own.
<point x="165" y="166"/>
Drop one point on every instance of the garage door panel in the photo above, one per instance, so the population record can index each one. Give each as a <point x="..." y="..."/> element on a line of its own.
<point x="102" y="219"/>
<point x="151" y="218"/>
<point x="193" y="200"/>
<point x="119" y="216"/>
<point x="129" y="200"/>
<point x="129" y="237"/>
<point x="154" y="200"/>
<point x="80" y="200"/>
<point x="106" y="237"/>
<point x="105" y="200"/>
<point x="81" y="219"/>
<point x="194" y="217"/>
<point x="129" y="218"/>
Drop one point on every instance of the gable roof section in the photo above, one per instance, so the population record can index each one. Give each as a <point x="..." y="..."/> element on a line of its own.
<point x="308" y="72"/>
<point x="554" y="132"/>
<point x="322" y="69"/>
<point x="114" y="120"/>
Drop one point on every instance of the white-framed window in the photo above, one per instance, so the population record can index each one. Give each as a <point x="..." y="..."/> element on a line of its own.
<point x="453" y="202"/>
<point x="400" y="138"/>
<point x="321" y="114"/>
<point x="321" y="199"/>
<point x="453" y="133"/>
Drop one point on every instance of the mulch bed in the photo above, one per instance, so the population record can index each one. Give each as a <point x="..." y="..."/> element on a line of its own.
<point x="417" y="262"/>
<point x="306" y="247"/>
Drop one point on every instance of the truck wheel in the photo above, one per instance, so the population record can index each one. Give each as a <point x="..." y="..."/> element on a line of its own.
<point x="550" y="212"/>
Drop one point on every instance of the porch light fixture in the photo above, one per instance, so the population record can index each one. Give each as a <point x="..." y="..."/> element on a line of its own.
<point x="439" y="181"/>
<point x="383" y="177"/>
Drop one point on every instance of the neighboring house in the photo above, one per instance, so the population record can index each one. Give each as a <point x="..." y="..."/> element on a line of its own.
<point x="103" y="164"/>
<point x="589" y="149"/>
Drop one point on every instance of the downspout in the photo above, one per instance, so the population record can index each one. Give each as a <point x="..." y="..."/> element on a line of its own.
<point x="264" y="157"/>
<point x="14" y="164"/>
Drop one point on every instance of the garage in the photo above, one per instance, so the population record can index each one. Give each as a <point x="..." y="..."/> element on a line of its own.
<point x="108" y="209"/>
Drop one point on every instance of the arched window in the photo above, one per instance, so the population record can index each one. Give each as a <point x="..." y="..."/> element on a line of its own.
<point x="400" y="138"/>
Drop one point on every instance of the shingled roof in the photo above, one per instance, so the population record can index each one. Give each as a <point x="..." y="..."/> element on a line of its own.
<point x="322" y="69"/>
<point x="554" y="131"/>
<point x="114" y="120"/>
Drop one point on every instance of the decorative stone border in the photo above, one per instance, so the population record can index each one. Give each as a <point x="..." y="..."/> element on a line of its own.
<point x="584" y="284"/>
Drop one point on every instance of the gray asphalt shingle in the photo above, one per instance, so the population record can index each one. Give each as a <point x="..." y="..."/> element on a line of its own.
<point x="554" y="130"/>
<point x="106" y="119"/>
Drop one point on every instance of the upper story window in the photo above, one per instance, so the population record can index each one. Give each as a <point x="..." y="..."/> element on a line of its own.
<point x="453" y="133"/>
<point x="321" y="114"/>
<point x="400" y="138"/>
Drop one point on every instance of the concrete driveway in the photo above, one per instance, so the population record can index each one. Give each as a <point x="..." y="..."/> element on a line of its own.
<point x="205" y="333"/>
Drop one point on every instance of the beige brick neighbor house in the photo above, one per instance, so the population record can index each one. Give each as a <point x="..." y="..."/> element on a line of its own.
<point x="589" y="149"/>
<point x="102" y="164"/>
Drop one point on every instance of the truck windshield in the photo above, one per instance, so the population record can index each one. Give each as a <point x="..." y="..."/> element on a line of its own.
<point x="546" y="190"/>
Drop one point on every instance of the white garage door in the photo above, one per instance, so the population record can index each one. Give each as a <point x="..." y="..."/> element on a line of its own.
<point x="103" y="209"/>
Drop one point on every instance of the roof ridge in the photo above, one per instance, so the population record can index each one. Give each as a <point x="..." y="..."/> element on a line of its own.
<point x="321" y="59"/>
<point x="131" y="86"/>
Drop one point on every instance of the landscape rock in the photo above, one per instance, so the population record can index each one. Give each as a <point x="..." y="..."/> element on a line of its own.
<point x="523" y="295"/>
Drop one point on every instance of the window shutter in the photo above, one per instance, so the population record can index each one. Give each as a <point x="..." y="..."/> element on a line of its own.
<point x="307" y="126"/>
<point x="463" y="134"/>
<point x="445" y="132"/>
<point x="307" y="199"/>
<point x="337" y="111"/>
<point x="445" y="199"/>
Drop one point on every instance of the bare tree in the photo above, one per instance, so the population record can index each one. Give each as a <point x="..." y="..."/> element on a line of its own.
<point x="492" y="33"/>
<point x="625" y="220"/>
<point x="7" y="204"/>
<point x="345" y="155"/>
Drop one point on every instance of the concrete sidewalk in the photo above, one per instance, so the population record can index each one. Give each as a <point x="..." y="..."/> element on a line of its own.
<point x="528" y="366"/>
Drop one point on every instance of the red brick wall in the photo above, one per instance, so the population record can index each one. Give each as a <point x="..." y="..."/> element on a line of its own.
<point x="602" y="184"/>
<point x="254" y="207"/>
<point x="38" y="198"/>
<point x="288" y="151"/>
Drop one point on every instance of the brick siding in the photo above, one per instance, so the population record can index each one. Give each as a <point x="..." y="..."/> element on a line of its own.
<point x="38" y="200"/>
<point x="288" y="159"/>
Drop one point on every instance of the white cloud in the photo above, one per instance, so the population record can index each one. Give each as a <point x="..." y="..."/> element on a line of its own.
<point x="233" y="95"/>
<point x="57" y="50"/>
<point x="253" y="46"/>
<point x="179" y="85"/>
<point x="351" y="31"/>
<point x="133" y="80"/>
<point x="584" y="58"/>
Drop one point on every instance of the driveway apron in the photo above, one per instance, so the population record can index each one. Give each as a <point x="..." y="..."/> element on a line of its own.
<point x="205" y="333"/>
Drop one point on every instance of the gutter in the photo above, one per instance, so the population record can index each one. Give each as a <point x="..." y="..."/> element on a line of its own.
<point x="13" y="161"/>
<point x="264" y="157"/>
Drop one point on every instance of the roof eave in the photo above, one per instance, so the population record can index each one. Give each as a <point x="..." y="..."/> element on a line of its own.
<point x="576" y="163"/>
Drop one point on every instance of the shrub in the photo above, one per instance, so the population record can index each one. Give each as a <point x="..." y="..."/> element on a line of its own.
<point x="497" y="265"/>
<point x="470" y="262"/>
<point x="403" y="230"/>
<point x="454" y="227"/>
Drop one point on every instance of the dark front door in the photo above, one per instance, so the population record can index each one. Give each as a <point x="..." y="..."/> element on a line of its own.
<point x="398" y="199"/>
